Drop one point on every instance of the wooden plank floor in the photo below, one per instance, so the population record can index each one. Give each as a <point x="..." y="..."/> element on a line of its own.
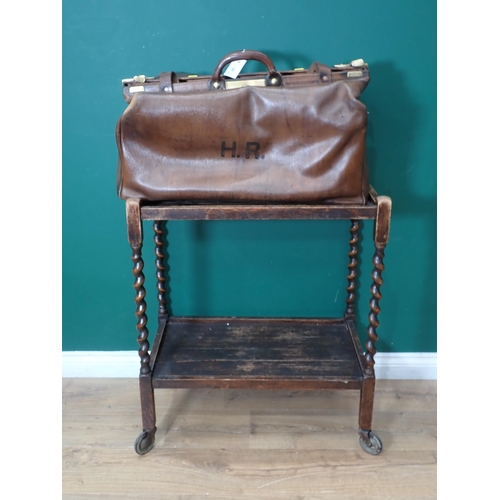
<point x="231" y="444"/>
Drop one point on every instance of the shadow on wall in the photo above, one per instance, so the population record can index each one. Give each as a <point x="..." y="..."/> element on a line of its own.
<point x="394" y="123"/>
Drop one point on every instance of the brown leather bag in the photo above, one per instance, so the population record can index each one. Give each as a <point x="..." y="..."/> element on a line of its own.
<point x="291" y="136"/>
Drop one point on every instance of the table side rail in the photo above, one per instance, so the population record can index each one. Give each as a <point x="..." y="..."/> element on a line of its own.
<point x="360" y="355"/>
<point x="257" y="383"/>
<point x="160" y="332"/>
<point x="258" y="212"/>
<point x="252" y="319"/>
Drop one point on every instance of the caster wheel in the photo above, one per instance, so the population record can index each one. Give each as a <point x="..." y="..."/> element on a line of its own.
<point x="144" y="442"/>
<point x="370" y="442"/>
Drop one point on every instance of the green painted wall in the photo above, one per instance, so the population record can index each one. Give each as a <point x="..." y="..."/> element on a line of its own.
<point x="267" y="268"/>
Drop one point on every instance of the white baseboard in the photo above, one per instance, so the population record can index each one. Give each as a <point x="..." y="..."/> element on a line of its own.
<point x="125" y="364"/>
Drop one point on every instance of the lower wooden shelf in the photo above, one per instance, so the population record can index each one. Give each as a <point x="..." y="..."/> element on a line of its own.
<point x="271" y="353"/>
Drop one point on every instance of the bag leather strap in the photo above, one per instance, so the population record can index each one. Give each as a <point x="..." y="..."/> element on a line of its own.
<point x="324" y="71"/>
<point x="166" y="81"/>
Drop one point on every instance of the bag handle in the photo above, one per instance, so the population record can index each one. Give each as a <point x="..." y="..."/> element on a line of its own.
<point x="272" y="79"/>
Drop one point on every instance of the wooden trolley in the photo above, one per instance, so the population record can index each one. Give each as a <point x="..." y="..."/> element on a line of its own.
<point x="257" y="353"/>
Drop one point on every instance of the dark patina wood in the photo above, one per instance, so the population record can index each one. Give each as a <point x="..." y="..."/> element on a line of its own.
<point x="142" y="319"/>
<point x="369" y="441"/>
<point x="134" y="228"/>
<point x="147" y="402"/>
<point x="382" y="221"/>
<point x="258" y="353"/>
<point x="374" y="310"/>
<point x="355" y="342"/>
<point x="381" y="237"/>
<point x="366" y="403"/>
<point x="258" y="212"/>
<point x="162" y="324"/>
<point x="160" y="267"/>
<point x="352" y="266"/>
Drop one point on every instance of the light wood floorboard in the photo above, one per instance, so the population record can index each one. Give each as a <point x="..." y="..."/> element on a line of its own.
<point x="232" y="444"/>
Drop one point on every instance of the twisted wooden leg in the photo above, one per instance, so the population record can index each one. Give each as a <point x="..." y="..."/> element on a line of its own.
<point x="160" y="267"/>
<point x="140" y="312"/>
<point x="381" y="237"/>
<point x="352" y="266"/>
<point x="378" y="265"/>
<point x="369" y="441"/>
<point x="145" y="441"/>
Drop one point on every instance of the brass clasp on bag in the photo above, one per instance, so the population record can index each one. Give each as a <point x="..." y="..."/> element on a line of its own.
<point x="237" y="84"/>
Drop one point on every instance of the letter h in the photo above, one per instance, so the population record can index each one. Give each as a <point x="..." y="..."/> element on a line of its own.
<point x="223" y="149"/>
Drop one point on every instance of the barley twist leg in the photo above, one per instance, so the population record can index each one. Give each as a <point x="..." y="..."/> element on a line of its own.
<point x="369" y="441"/>
<point x="352" y="266"/>
<point x="378" y="264"/>
<point x="145" y="441"/>
<point x="160" y="267"/>
<point x="140" y="312"/>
